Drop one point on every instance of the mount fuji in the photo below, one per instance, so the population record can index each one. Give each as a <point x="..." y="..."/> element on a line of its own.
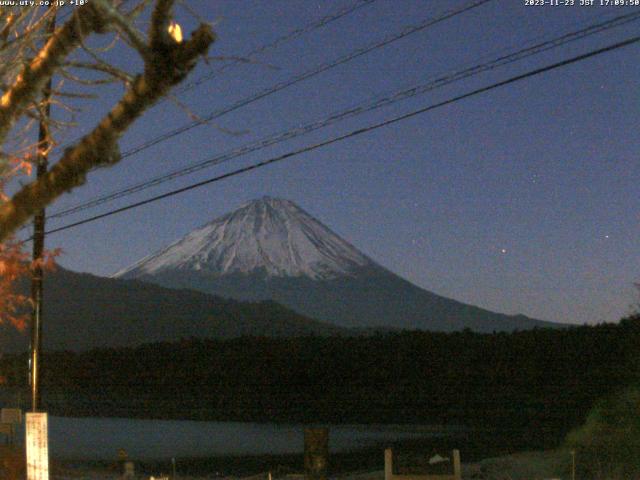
<point x="271" y="249"/>
<point x="270" y="235"/>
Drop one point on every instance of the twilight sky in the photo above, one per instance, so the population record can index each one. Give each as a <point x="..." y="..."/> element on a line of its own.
<point x="520" y="200"/>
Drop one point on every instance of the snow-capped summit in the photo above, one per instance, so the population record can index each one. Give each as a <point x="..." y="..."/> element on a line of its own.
<point x="271" y="235"/>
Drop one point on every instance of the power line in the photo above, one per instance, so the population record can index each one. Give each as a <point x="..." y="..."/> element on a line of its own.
<point x="443" y="80"/>
<point x="299" y="78"/>
<point x="308" y="74"/>
<point x="323" y="21"/>
<point x="304" y="76"/>
<point x="326" y="20"/>
<point x="357" y="132"/>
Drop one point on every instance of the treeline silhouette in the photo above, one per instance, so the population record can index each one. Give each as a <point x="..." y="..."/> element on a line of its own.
<point x="529" y="386"/>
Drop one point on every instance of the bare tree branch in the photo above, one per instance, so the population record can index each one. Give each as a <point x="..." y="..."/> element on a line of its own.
<point x="159" y="36"/>
<point x="102" y="67"/>
<point x="84" y="81"/>
<point x="169" y="63"/>
<point x="34" y="76"/>
<point x="115" y="17"/>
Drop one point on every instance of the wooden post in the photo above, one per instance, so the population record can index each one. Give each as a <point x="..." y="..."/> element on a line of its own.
<point x="388" y="464"/>
<point x="129" y="471"/>
<point x="316" y="453"/>
<point x="457" y="469"/>
<point x="44" y="143"/>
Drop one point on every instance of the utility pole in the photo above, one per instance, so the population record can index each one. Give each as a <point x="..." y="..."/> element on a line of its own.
<point x="44" y="143"/>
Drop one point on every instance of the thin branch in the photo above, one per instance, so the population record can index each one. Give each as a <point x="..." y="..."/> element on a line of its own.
<point x="137" y="10"/>
<point x="169" y="65"/>
<point x="106" y="48"/>
<point x="83" y="81"/>
<point x="192" y="12"/>
<point x="196" y="118"/>
<point x="68" y="108"/>
<point x="159" y="36"/>
<point x="11" y="20"/>
<point x="34" y="76"/>
<point x="60" y="93"/>
<point x="104" y="67"/>
<point x="125" y="26"/>
<point x="33" y="27"/>
<point x="185" y="108"/>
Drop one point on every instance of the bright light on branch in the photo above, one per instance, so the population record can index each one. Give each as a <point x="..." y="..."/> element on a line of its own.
<point x="175" y="31"/>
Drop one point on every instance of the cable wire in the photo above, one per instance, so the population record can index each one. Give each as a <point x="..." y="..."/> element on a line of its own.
<point x="326" y="20"/>
<point x="373" y="104"/>
<point x="304" y="76"/>
<point x="356" y="132"/>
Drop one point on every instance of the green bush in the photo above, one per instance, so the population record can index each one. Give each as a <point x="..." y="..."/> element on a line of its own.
<point x="608" y="444"/>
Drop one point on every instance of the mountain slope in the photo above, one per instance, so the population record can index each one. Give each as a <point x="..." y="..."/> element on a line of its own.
<point x="371" y="298"/>
<point x="83" y="311"/>
<point x="272" y="249"/>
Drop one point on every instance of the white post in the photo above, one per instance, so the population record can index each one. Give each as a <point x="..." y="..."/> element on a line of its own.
<point x="457" y="469"/>
<point x="37" y="445"/>
<point x="388" y="464"/>
<point x="129" y="470"/>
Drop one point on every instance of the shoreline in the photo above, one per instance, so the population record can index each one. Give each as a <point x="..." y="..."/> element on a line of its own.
<point x="361" y="461"/>
<point x="516" y="466"/>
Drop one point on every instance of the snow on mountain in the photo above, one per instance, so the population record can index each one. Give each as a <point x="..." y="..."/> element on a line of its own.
<point x="269" y="234"/>
<point x="271" y="249"/>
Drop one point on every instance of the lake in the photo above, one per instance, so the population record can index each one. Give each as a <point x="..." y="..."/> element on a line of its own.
<point x="100" y="438"/>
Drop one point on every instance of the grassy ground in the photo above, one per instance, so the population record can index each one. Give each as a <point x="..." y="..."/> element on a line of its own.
<point x="528" y="466"/>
